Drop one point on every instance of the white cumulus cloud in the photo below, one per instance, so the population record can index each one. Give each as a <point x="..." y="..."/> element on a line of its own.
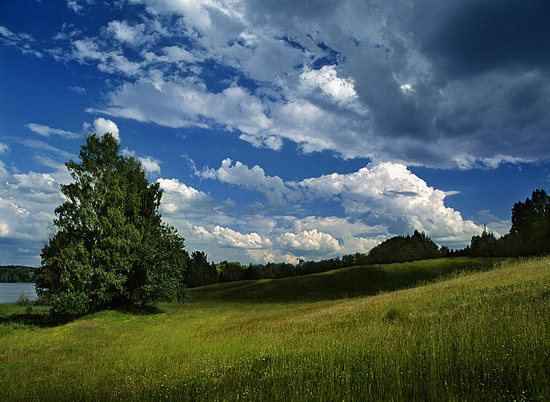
<point x="326" y="78"/>
<point x="272" y="187"/>
<point x="177" y="198"/>
<point x="381" y="198"/>
<point x="150" y="164"/>
<point x="102" y="126"/>
<point x="227" y="237"/>
<point x="232" y="238"/>
<point x="392" y="195"/>
<point x="4" y="229"/>
<point x="27" y="202"/>
<point x="310" y="240"/>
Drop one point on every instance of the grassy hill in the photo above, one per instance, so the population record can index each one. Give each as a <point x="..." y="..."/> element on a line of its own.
<point x="430" y="330"/>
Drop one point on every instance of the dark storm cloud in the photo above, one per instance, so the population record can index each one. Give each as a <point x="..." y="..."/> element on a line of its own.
<point x="476" y="36"/>
<point x="487" y="90"/>
<point x="396" y="113"/>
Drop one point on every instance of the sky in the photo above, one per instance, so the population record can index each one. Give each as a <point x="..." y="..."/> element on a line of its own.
<point x="280" y="130"/>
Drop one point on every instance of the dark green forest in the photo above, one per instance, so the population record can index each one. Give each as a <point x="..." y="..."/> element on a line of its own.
<point x="16" y="273"/>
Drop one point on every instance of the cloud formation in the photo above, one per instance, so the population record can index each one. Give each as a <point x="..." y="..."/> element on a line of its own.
<point x="309" y="240"/>
<point x="47" y="131"/>
<point x="386" y="194"/>
<point x="253" y="178"/>
<point x="457" y="84"/>
<point x="27" y="201"/>
<point x="103" y="126"/>
<point x="377" y="201"/>
<point x="178" y="197"/>
<point x="77" y="6"/>
<point x="326" y="79"/>
<point x="389" y="194"/>
<point x="151" y="165"/>
<point x="22" y="42"/>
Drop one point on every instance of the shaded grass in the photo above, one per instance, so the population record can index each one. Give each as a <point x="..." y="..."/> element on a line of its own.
<point x="475" y="336"/>
<point x="15" y="316"/>
<point x="346" y="282"/>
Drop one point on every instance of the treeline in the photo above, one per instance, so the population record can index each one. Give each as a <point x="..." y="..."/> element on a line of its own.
<point x="529" y="234"/>
<point x="397" y="249"/>
<point x="16" y="273"/>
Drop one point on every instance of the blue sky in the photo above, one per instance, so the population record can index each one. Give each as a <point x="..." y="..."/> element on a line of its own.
<point x="280" y="131"/>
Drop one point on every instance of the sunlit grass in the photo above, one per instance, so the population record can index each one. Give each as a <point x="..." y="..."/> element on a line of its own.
<point x="473" y="336"/>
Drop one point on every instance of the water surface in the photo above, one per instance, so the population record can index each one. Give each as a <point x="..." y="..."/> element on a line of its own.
<point x="10" y="292"/>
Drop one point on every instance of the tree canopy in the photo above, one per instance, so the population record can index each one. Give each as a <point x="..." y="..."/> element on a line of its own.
<point x="531" y="223"/>
<point x="199" y="271"/>
<point x="408" y="248"/>
<point x="529" y="234"/>
<point x="110" y="247"/>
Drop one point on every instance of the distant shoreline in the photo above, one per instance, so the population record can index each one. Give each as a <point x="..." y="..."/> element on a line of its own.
<point x="17" y="274"/>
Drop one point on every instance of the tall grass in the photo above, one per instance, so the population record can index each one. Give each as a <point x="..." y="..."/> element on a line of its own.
<point x="473" y="336"/>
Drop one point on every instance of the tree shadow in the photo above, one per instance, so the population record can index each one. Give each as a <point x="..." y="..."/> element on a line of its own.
<point x="45" y="319"/>
<point x="42" y="320"/>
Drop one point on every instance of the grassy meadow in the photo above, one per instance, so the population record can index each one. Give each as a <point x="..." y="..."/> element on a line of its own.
<point x="448" y="329"/>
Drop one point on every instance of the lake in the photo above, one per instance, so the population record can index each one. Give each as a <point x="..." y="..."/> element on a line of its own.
<point x="10" y="292"/>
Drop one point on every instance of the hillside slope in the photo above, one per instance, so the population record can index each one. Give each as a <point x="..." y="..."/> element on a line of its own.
<point x="340" y="283"/>
<point x="476" y="336"/>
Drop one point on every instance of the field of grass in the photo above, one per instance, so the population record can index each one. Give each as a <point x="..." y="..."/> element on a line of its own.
<point x="430" y="330"/>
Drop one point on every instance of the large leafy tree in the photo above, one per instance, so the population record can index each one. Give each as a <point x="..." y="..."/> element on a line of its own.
<point x="110" y="247"/>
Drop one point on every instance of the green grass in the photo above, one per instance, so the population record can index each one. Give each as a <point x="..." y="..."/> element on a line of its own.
<point x="430" y="330"/>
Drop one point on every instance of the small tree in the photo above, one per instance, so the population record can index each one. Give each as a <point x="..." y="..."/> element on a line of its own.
<point x="110" y="248"/>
